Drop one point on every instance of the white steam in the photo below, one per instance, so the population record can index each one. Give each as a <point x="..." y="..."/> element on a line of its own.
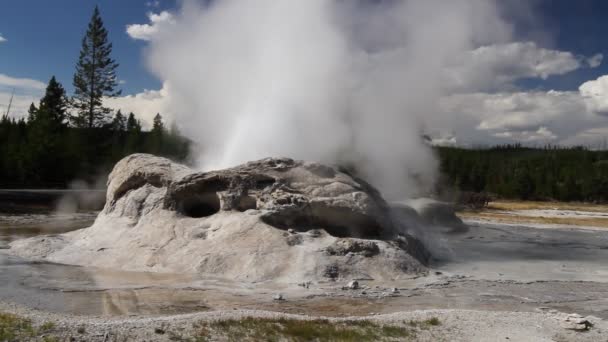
<point x="325" y="80"/>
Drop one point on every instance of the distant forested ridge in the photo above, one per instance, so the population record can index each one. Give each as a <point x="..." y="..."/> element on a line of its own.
<point x="516" y="172"/>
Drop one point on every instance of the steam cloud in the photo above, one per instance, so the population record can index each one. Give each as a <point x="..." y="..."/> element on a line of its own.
<point x="325" y="80"/>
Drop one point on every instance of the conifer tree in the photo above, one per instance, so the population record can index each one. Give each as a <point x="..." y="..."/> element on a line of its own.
<point x="31" y="113"/>
<point x="158" y="127"/>
<point x="95" y="76"/>
<point x="53" y="105"/>
<point x="133" y="125"/>
<point x="119" y="122"/>
<point x="44" y="135"/>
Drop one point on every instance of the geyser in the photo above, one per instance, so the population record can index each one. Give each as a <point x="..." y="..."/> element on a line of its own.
<point x="276" y="219"/>
<point x="344" y="82"/>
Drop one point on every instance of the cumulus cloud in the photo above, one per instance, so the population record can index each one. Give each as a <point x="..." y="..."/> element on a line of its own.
<point x="595" y="93"/>
<point x="2" y="39"/>
<point x="496" y="67"/>
<point x="25" y="90"/>
<point x="448" y="140"/>
<point x="20" y="105"/>
<point x="542" y="134"/>
<point x="21" y="83"/>
<point x="144" y="105"/>
<point x="535" y="116"/>
<point x="148" y="31"/>
<point x="360" y="69"/>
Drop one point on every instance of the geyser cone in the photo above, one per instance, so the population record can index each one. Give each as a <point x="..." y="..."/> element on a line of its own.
<point x="274" y="219"/>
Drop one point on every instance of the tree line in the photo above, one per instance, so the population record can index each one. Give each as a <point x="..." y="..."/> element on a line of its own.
<point x="65" y="138"/>
<point x="517" y="172"/>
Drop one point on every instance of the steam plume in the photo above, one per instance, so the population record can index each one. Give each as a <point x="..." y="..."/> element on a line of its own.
<point x="326" y="80"/>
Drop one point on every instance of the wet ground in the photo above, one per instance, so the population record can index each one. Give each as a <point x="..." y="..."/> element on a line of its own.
<point x="491" y="267"/>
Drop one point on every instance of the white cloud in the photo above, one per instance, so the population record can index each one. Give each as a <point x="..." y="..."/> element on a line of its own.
<point x="542" y="134"/>
<point x="25" y="90"/>
<point x="449" y="140"/>
<point x="529" y="117"/>
<point x="595" y="60"/>
<point x="2" y="39"/>
<point x="496" y="67"/>
<point x="20" y="105"/>
<point x="479" y="99"/>
<point x="595" y="94"/>
<point x="144" y="105"/>
<point x="148" y="31"/>
<point x="21" y="83"/>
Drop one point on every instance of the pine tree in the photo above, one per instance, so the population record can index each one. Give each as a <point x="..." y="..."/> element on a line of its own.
<point x="133" y="125"/>
<point x="119" y="122"/>
<point x="95" y="76"/>
<point x="44" y="135"/>
<point x="158" y="127"/>
<point x="31" y="113"/>
<point x="134" y="135"/>
<point x="53" y="105"/>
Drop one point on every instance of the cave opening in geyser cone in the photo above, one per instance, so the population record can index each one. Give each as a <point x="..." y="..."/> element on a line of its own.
<point x="202" y="205"/>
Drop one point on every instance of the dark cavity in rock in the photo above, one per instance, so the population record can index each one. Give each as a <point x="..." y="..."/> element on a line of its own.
<point x="200" y="205"/>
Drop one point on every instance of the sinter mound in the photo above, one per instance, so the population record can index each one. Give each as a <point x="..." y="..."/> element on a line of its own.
<point x="273" y="219"/>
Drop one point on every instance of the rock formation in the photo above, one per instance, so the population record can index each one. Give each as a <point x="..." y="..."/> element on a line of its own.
<point x="273" y="219"/>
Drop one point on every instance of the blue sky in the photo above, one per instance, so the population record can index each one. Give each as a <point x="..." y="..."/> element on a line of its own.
<point x="521" y="89"/>
<point x="575" y="26"/>
<point x="44" y="37"/>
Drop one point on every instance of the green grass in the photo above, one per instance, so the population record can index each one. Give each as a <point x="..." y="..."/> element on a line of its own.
<point x="426" y="324"/>
<point x="255" y="329"/>
<point x="15" y="328"/>
<point x="433" y="321"/>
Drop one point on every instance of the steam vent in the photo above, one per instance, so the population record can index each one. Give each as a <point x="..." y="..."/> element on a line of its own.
<point x="274" y="219"/>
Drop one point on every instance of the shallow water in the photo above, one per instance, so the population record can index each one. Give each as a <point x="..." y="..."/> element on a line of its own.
<point x="491" y="266"/>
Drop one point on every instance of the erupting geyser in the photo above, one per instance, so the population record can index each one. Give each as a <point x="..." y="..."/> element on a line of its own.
<point x="345" y="82"/>
<point x="274" y="219"/>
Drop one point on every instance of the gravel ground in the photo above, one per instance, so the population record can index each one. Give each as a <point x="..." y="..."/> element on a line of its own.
<point x="455" y="325"/>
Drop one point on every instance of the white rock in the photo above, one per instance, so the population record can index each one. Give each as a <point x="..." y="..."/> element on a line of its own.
<point x="164" y="217"/>
<point x="352" y="285"/>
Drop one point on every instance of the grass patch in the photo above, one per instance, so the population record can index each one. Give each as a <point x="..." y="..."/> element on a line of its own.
<point x="426" y="324"/>
<point x="433" y="321"/>
<point x="46" y="327"/>
<point x="15" y="328"/>
<point x="255" y="329"/>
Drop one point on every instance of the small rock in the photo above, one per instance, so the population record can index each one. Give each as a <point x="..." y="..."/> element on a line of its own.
<point x="278" y="296"/>
<point x="353" y="285"/>
<point x="574" y="326"/>
<point x="394" y="290"/>
<point x="576" y="322"/>
<point x="291" y="231"/>
<point x="159" y="331"/>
